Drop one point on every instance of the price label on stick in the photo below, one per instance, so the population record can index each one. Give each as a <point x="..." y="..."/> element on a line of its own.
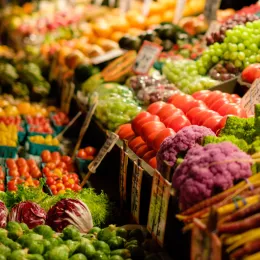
<point x="251" y="98"/>
<point x="158" y="209"/>
<point x="205" y="245"/>
<point x="123" y="172"/>
<point x="146" y="57"/>
<point x="136" y="191"/>
<point x="180" y="5"/>
<point x="210" y="10"/>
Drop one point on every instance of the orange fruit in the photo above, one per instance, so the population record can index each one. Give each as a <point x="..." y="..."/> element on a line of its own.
<point x="152" y="20"/>
<point x="116" y="36"/>
<point x="136" y="20"/>
<point x="168" y="16"/>
<point x="102" y="29"/>
<point x="120" y="24"/>
<point x="24" y="108"/>
<point x="156" y="8"/>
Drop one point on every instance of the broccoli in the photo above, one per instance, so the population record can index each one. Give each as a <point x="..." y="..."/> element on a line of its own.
<point x="231" y="138"/>
<point x="255" y="146"/>
<point x="242" y="128"/>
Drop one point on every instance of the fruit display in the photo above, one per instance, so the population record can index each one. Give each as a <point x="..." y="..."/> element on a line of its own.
<point x="60" y="119"/>
<point x="2" y="179"/>
<point x="250" y="73"/>
<point x="48" y="140"/>
<point x="8" y="135"/>
<point x="87" y="153"/>
<point x="224" y="71"/>
<point x="185" y="75"/>
<point x="39" y="125"/>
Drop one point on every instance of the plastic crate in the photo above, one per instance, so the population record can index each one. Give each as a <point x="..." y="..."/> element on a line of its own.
<point x="82" y="164"/>
<point x="35" y="133"/>
<point x="58" y="128"/>
<point x="8" y="151"/>
<point x="36" y="149"/>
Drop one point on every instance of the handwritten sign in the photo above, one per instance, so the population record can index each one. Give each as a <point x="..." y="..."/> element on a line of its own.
<point x="158" y="209"/>
<point x="251" y="98"/>
<point x="136" y="191"/>
<point x="146" y="57"/>
<point x="123" y="172"/>
<point x="205" y="245"/>
<point x="210" y="10"/>
<point x="180" y="5"/>
<point x="107" y="147"/>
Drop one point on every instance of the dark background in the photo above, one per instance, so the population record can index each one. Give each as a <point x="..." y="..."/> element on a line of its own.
<point x="236" y="4"/>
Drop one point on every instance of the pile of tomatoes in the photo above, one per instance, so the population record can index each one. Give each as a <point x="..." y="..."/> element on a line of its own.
<point x="60" y="119"/>
<point x="60" y="173"/>
<point x="22" y="171"/>
<point x="87" y="153"/>
<point x="39" y="124"/>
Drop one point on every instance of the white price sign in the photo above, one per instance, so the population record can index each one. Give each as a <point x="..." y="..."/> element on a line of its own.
<point x="146" y="57"/>
<point x="251" y="98"/>
<point x="179" y="11"/>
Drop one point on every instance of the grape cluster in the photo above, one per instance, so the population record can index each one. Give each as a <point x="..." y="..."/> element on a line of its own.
<point x="224" y="71"/>
<point x="241" y="47"/>
<point x="184" y="74"/>
<point x="230" y="24"/>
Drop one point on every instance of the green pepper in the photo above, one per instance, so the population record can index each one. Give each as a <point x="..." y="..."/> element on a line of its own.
<point x="125" y="253"/>
<point x="90" y="236"/>
<point x="14" y="230"/>
<point x="36" y="247"/>
<point x="72" y="245"/>
<point x="116" y="243"/>
<point x="94" y="230"/>
<point x="14" y="246"/>
<point x="26" y="239"/>
<point x="107" y="233"/>
<point x="47" y="245"/>
<point x="71" y="233"/>
<point x="100" y="256"/>
<point x="4" y="250"/>
<point x="24" y="227"/>
<point x="132" y="242"/>
<point x="18" y="255"/>
<point x="3" y="232"/>
<point x="101" y="246"/>
<point x="116" y="257"/>
<point x="44" y="230"/>
<point x="121" y="232"/>
<point x="34" y="257"/>
<point x="78" y="257"/>
<point x="58" y="253"/>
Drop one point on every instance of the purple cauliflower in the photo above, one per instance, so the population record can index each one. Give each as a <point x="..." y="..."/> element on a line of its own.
<point x="208" y="170"/>
<point x="174" y="146"/>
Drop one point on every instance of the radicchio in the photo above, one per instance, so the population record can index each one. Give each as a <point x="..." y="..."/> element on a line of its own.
<point x="70" y="212"/>
<point x="3" y="214"/>
<point x="29" y="213"/>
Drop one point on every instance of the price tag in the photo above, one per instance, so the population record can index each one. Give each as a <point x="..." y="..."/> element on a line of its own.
<point x="158" y="209"/>
<point x="123" y="172"/>
<point x="146" y="57"/>
<point x="210" y="10"/>
<point x="107" y="147"/>
<point x="107" y="56"/>
<point x="251" y="98"/>
<point x="180" y="5"/>
<point x="136" y="191"/>
<point x="205" y="245"/>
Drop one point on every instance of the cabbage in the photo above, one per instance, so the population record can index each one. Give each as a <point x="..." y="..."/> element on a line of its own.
<point x="29" y="213"/>
<point x="70" y="212"/>
<point x="3" y="214"/>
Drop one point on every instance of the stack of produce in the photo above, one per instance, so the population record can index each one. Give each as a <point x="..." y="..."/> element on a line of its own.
<point x="8" y="135"/>
<point x="39" y="125"/>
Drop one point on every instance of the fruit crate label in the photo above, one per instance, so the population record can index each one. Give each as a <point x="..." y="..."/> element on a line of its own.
<point x="107" y="147"/>
<point x="123" y="174"/>
<point x="251" y="98"/>
<point x="205" y="245"/>
<point x="136" y="191"/>
<point x="146" y="57"/>
<point x="179" y="11"/>
<point x="158" y="209"/>
<point x="210" y="10"/>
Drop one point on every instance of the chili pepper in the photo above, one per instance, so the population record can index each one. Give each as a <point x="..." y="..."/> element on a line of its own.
<point x="249" y="248"/>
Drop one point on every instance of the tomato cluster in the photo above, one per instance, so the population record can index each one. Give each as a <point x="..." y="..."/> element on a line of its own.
<point x="12" y="120"/>
<point x="149" y="128"/>
<point x="87" y="153"/>
<point x="39" y="124"/>
<point x="23" y="168"/>
<point x="2" y="179"/>
<point x="60" y="119"/>
<point x="59" y="172"/>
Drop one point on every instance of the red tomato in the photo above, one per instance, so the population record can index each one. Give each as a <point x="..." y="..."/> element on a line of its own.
<point x="11" y="164"/>
<point x="77" y="187"/>
<point x="74" y="176"/>
<point x="65" y="178"/>
<point x="233" y="109"/>
<point x="60" y="186"/>
<point x="2" y="187"/>
<point x="12" y="186"/>
<point x="66" y="159"/>
<point x="50" y="181"/>
<point x="218" y="103"/>
<point x="31" y="162"/>
<point x="153" y="162"/>
<point x="14" y="173"/>
<point x="193" y="103"/>
<point x="235" y="98"/>
<point x="141" y="122"/>
<point x="140" y="152"/>
<point x="136" y="142"/>
<point x="21" y="162"/>
<point x="213" y="96"/>
<point x="166" y="111"/>
<point x="36" y="183"/>
<point x="150" y="127"/>
<point x="51" y="165"/>
<point x="82" y="154"/>
<point x="201" y="95"/>
<point x="140" y="116"/>
<point x="250" y="73"/>
<point x="181" y="101"/>
<point x="62" y="165"/>
<point x="46" y="170"/>
<point x="222" y="122"/>
<point x="36" y="173"/>
<point x="90" y="150"/>
<point x="213" y="123"/>
<point x="174" y="96"/>
<point x="126" y="132"/>
<point x="178" y="123"/>
<point x="161" y="136"/>
<point x="69" y="185"/>
<point x="150" y="138"/>
<point x="204" y="115"/>
<point x="192" y="114"/>
<point x="55" y="155"/>
<point x="155" y="107"/>
<point x="177" y="112"/>
<point x="46" y="156"/>
<point x="2" y="174"/>
<point x="149" y="155"/>
<point x="223" y="110"/>
<point x="89" y="157"/>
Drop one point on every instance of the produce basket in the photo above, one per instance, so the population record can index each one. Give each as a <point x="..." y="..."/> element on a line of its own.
<point x="57" y="128"/>
<point x="21" y="136"/>
<point x="82" y="164"/>
<point x="36" y="149"/>
<point x="8" y="151"/>
<point x="35" y="133"/>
